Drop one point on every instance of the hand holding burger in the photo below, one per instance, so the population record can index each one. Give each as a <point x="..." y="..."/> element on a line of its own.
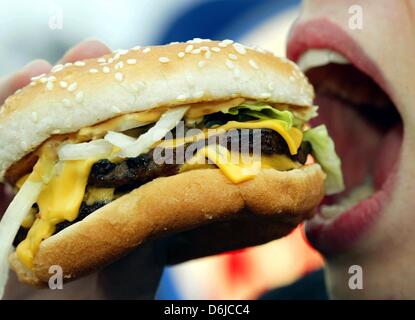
<point x="91" y="188"/>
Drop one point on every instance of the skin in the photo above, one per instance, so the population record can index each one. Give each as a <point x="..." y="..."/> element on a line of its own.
<point x="386" y="251"/>
<point x="135" y="276"/>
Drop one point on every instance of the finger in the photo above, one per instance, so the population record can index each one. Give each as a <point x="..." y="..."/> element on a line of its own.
<point x="9" y="85"/>
<point x="85" y="50"/>
<point x="135" y="276"/>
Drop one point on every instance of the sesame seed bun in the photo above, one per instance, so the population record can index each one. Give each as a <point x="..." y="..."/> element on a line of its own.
<point x="221" y="216"/>
<point x="80" y="94"/>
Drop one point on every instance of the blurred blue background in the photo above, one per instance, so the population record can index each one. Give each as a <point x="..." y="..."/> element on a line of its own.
<point x="47" y="28"/>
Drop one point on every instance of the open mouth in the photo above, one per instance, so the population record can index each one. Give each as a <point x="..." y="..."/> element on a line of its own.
<point x="366" y="128"/>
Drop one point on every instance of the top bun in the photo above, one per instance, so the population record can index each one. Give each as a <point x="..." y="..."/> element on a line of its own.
<point x="83" y="93"/>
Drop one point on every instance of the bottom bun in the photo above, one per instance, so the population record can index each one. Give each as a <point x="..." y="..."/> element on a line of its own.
<point x="197" y="213"/>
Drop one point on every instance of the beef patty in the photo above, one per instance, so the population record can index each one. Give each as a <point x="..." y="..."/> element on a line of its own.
<point x="134" y="172"/>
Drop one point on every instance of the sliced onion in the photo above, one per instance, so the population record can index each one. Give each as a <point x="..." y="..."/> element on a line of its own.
<point x="167" y="122"/>
<point x="11" y="221"/>
<point x="118" y="139"/>
<point x="86" y="150"/>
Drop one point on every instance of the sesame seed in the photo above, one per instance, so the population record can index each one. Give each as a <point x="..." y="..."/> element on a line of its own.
<point x="201" y="64"/>
<point x="239" y="48"/>
<point x="227" y="41"/>
<point x="204" y="48"/>
<point x="222" y="44"/>
<point x="164" y="59"/>
<point x="101" y="60"/>
<point x="233" y="56"/>
<point x="63" y="84"/>
<point x="18" y="91"/>
<point x="188" y="48"/>
<point x="119" y="65"/>
<point x="72" y="87"/>
<point x="49" y="85"/>
<point x="38" y="77"/>
<point x="136" y="48"/>
<point x="215" y="49"/>
<point x="57" y="68"/>
<point x="208" y="54"/>
<point x="197" y="40"/>
<point x="198" y="94"/>
<point x="43" y="80"/>
<point x="119" y="76"/>
<point x="93" y="70"/>
<point x="51" y="78"/>
<point x="181" y="54"/>
<point x="79" y="63"/>
<point x="116" y="56"/>
<point x="110" y="60"/>
<point x="131" y="61"/>
<point x="106" y="69"/>
<point x="66" y="102"/>
<point x="174" y="42"/>
<point x="265" y="95"/>
<point x="253" y="64"/>
<point x="56" y="131"/>
<point x="122" y="51"/>
<point x="181" y="97"/>
<point x="195" y="51"/>
<point x="230" y="64"/>
<point x="32" y="83"/>
<point x="79" y="96"/>
<point x="147" y="50"/>
<point x="68" y="64"/>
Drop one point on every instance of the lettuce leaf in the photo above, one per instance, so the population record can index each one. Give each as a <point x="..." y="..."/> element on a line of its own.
<point x="262" y="111"/>
<point x="325" y="154"/>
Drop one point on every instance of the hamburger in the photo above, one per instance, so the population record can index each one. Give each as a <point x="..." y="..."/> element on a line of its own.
<point x="108" y="153"/>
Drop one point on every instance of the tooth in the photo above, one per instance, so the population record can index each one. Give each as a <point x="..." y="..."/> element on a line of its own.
<point x="358" y="194"/>
<point x="320" y="57"/>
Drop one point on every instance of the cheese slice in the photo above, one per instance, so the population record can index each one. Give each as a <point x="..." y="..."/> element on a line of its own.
<point x="293" y="136"/>
<point x="236" y="171"/>
<point x="59" y="200"/>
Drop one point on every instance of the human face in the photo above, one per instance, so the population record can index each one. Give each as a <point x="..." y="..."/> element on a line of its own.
<point x="369" y="109"/>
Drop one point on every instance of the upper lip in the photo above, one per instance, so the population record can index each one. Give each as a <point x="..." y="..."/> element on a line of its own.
<point x="324" y="34"/>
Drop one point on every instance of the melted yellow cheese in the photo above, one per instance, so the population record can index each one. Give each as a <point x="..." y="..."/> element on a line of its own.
<point x="29" y="219"/>
<point x="98" y="194"/>
<point x="235" y="166"/>
<point x="279" y="162"/>
<point x="236" y="171"/>
<point x="293" y="136"/>
<point x="59" y="200"/>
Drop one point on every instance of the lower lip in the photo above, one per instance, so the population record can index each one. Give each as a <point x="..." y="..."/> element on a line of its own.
<point x="339" y="234"/>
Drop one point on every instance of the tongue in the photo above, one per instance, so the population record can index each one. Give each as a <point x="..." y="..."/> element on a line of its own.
<point x="365" y="150"/>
